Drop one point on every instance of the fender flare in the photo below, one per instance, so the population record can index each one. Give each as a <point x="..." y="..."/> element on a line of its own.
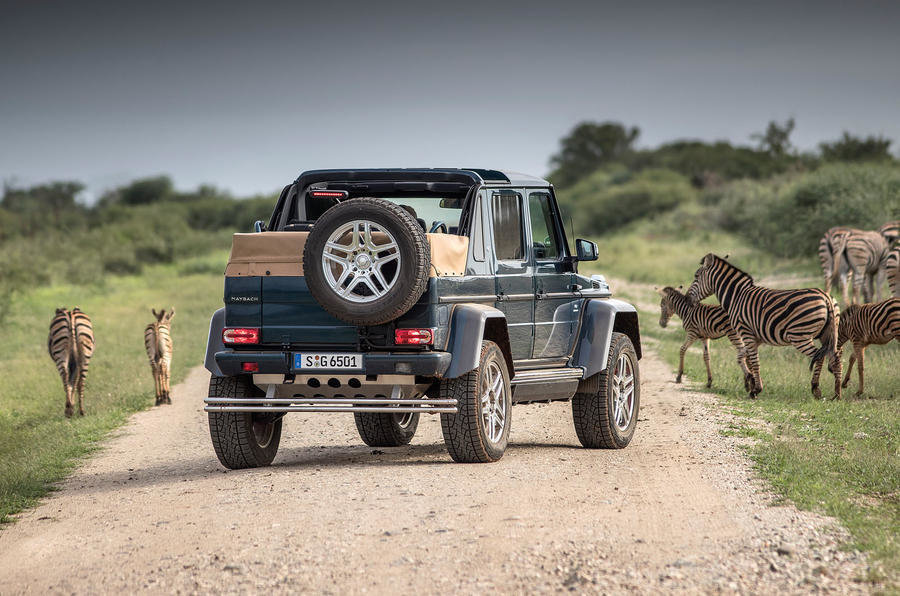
<point x="469" y="325"/>
<point x="600" y="318"/>
<point x="214" y="342"/>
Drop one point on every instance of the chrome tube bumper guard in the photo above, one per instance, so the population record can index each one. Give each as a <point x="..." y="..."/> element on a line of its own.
<point x="329" y="404"/>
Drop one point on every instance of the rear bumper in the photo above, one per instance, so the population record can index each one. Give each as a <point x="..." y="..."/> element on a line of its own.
<point x="425" y="364"/>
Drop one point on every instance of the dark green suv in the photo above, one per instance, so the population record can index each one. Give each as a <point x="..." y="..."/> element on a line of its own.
<point x="391" y="293"/>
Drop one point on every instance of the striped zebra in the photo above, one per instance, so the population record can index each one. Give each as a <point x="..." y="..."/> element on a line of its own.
<point x="700" y="321"/>
<point x="863" y="253"/>
<point x="774" y="317"/>
<point x="827" y="249"/>
<point x="71" y="345"/>
<point x="890" y="232"/>
<point x="891" y="267"/>
<point x="867" y="324"/>
<point x="158" y="342"/>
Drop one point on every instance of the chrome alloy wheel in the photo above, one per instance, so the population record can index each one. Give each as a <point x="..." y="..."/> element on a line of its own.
<point x="403" y="420"/>
<point x="263" y="431"/>
<point x="361" y="261"/>
<point x="493" y="403"/>
<point x="623" y="392"/>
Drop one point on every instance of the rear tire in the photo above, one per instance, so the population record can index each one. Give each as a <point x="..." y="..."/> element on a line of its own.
<point x="607" y="418"/>
<point x="479" y="431"/>
<point x="242" y="439"/>
<point x="386" y="430"/>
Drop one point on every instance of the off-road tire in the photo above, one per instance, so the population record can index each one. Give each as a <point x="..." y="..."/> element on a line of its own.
<point x="412" y="275"/>
<point x="464" y="432"/>
<point x="593" y="412"/>
<point x="232" y="433"/>
<point x="385" y="430"/>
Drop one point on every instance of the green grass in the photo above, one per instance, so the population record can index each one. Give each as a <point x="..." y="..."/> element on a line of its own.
<point x="841" y="458"/>
<point x="38" y="445"/>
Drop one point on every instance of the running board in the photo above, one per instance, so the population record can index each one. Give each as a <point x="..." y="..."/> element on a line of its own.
<point x="547" y="375"/>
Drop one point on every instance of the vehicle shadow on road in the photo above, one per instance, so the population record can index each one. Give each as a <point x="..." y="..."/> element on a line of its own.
<point x="170" y="473"/>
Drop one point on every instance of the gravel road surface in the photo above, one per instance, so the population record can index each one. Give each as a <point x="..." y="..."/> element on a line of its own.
<point x="679" y="510"/>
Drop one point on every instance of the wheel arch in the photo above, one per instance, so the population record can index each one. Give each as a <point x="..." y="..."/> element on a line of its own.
<point x="469" y="325"/>
<point x="600" y="319"/>
<point x="214" y="342"/>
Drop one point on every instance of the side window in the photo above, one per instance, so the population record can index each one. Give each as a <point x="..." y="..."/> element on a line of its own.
<point x="506" y="209"/>
<point x="476" y="238"/>
<point x="545" y="241"/>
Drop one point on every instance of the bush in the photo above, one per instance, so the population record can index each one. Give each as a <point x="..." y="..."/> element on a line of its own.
<point x="787" y="216"/>
<point x="613" y="197"/>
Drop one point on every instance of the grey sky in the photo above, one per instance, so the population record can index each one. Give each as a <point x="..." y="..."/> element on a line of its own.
<point x="246" y="95"/>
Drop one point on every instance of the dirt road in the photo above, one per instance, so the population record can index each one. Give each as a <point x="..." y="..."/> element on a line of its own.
<point x="678" y="510"/>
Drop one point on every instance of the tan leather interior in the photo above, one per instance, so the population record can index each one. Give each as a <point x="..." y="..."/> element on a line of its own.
<point x="281" y="253"/>
<point x="266" y="253"/>
<point x="448" y="254"/>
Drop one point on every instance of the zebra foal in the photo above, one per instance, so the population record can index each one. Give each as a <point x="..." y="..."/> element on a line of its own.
<point x="775" y="317"/>
<point x="158" y="342"/>
<point x="71" y="345"/>
<point x="700" y="321"/>
<point x="867" y="324"/>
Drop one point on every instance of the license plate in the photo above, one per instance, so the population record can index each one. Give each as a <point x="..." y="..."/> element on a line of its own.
<point x="319" y="361"/>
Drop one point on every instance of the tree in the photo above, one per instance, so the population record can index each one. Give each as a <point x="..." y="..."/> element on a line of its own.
<point x="776" y="140"/>
<point x="587" y="147"/>
<point x="140" y="192"/>
<point x="851" y="148"/>
<point x="41" y="206"/>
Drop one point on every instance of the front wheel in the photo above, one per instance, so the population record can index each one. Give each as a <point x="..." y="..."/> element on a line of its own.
<point x="607" y="418"/>
<point x="242" y="439"/>
<point x="479" y="431"/>
<point x="386" y="430"/>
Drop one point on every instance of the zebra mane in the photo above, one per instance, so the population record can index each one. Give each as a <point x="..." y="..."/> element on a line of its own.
<point x="738" y="269"/>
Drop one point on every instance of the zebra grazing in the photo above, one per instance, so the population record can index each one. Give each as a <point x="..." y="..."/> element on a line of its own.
<point x="827" y="249"/>
<point x="891" y="268"/>
<point x="867" y="324"/>
<point x="863" y="253"/>
<point x="700" y="321"/>
<point x="158" y="341"/>
<point x="71" y="345"/>
<point x="774" y="317"/>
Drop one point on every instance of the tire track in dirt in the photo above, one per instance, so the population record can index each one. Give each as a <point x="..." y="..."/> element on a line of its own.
<point x="678" y="510"/>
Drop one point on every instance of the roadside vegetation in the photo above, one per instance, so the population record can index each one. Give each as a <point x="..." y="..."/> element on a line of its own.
<point x="38" y="445"/>
<point x="766" y="207"/>
<point x="140" y="246"/>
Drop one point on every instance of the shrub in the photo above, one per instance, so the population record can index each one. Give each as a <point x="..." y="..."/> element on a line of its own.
<point x="787" y="216"/>
<point x="611" y="198"/>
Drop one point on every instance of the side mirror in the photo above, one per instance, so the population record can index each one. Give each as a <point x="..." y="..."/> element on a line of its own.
<point x="259" y="226"/>
<point x="585" y="250"/>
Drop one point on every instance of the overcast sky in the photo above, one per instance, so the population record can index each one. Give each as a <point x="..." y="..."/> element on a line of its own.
<point x="246" y="95"/>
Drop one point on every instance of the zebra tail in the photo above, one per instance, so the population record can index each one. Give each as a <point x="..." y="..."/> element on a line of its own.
<point x="829" y="334"/>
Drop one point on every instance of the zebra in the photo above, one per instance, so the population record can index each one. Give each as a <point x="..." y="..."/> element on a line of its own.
<point x="867" y="324"/>
<point x="158" y="342"/>
<point x="827" y="249"/>
<point x="891" y="268"/>
<point x="863" y="252"/>
<point x="774" y="317"/>
<point x="71" y="345"/>
<point x="701" y="321"/>
<point x="890" y="232"/>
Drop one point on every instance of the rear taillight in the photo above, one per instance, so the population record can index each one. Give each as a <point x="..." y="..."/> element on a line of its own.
<point x="413" y="337"/>
<point x="240" y="335"/>
<point x="250" y="367"/>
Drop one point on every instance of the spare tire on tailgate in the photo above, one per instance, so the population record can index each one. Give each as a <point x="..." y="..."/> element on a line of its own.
<point x="366" y="261"/>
